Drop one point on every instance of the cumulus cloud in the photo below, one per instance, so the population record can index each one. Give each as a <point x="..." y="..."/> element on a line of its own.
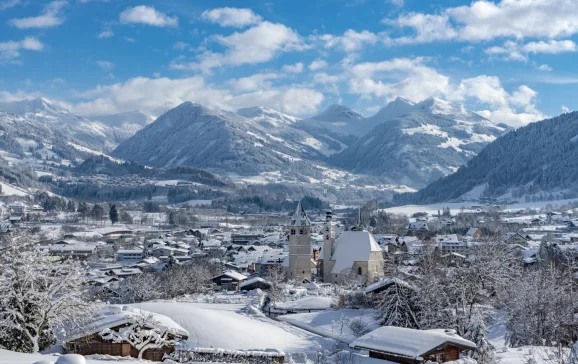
<point x="544" y="67"/>
<point x="318" y="64"/>
<point x="50" y="17"/>
<point x="231" y="17"/>
<point x="514" y="51"/>
<point x="142" y="93"/>
<point x="565" y="109"/>
<point x="484" y="20"/>
<point x="10" y="50"/>
<point x="258" y="81"/>
<point x="258" y="44"/>
<point x="147" y="15"/>
<point x="413" y="79"/>
<point x="350" y="41"/>
<point x="293" y="68"/>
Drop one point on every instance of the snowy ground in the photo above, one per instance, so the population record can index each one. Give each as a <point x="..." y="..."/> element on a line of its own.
<point x="235" y="326"/>
<point x="329" y="323"/>
<point x="456" y="207"/>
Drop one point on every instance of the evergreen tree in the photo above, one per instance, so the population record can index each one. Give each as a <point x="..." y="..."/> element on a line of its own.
<point x="113" y="214"/>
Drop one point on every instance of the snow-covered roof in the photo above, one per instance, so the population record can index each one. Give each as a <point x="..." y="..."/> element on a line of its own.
<point x="408" y="343"/>
<point x="300" y="218"/>
<point x="117" y="315"/>
<point x="353" y="246"/>
<point x="386" y="282"/>
<point x="234" y="275"/>
<point x="253" y="280"/>
<point x="306" y="303"/>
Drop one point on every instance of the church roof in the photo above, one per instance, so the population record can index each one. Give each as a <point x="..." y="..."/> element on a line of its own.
<point x="300" y="218"/>
<point x="353" y="246"/>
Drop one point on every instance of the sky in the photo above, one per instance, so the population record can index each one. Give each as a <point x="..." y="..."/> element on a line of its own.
<point x="512" y="61"/>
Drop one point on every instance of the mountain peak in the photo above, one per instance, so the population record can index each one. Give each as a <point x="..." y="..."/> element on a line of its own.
<point x="339" y="113"/>
<point x="395" y="108"/>
<point x="262" y="113"/>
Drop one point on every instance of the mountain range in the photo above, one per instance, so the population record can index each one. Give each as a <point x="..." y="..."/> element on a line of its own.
<point x="539" y="160"/>
<point x="405" y="143"/>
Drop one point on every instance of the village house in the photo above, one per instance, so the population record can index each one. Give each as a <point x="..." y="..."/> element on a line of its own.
<point x="129" y="254"/>
<point x="229" y="281"/>
<point x="450" y="243"/>
<point x="474" y="233"/>
<point x="89" y="341"/>
<point x="410" y="346"/>
<point x="515" y="238"/>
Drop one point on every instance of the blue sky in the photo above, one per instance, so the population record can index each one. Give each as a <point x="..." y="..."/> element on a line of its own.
<point x="511" y="60"/>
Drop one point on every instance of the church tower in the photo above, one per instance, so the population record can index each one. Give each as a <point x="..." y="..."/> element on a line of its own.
<point x="328" y="241"/>
<point x="300" y="246"/>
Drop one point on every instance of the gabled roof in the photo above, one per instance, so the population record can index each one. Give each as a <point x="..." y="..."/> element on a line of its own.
<point x="409" y="343"/>
<point x="234" y="275"/>
<point x="353" y="246"/>
<point x="300" y="217"/>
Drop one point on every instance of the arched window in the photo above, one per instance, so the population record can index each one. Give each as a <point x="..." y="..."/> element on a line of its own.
<point x="359" y="271"/>
<point x="327" y="237"/>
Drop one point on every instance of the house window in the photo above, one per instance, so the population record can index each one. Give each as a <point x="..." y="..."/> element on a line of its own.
<point x="292" y="231"/>
<point x="439" y="357"/>
<point x="359" y="271"/>
<point x="301" y="232"/>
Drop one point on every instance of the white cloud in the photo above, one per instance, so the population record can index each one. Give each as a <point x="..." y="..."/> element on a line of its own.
<point x="550" y="47"/>
<point x="293" y="68"/>
<point x="105" y="65"/>
<point x="7" y="4"/>
<point x="181" y="46"/>
<point x="10" y="50"/>
<point x="565" y="109"/>
<point x="398" y="3"/>
<point x="254" y="82"/>
<point x="257" y="44"/>
<point x="318" y="64"/>
<point x="483" y="20"/>
<point x="107" y="33"/>
<point x="350" y="40"/>
<point x="519" y="52"/>
<point x="50" y="17"/>
<point x="412" y="79"/>
<point x="148" y="15"/>
<point x="544" y="67"/>
<point x="231" y="17"/>
<point x="147" y="94"/>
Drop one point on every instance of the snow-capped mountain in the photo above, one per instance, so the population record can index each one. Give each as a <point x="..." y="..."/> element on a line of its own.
<point x="415" y="144"/>
<point x="45" y="114"/>
<point x="538" y="161"/>
<point x="193" y="135"/>
<point x="338" y="127"/>
<point x="126" y="124"/>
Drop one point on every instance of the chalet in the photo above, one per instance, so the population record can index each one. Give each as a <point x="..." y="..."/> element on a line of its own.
<point x="125" y="272"/>
<point x="450" y="244"/>
<point x="410" y="346"/>
<point x="17" y="208"/>
<point x="75" y="250"/>
<point x="417" y="227"/>
<point x="515" y="238"/>
<point x="474" y="233"/>
<point x="255" y="283"/>
<point x="89" y="341"/>
<point x="229" y="281"/>
<point x="245" y="239"/>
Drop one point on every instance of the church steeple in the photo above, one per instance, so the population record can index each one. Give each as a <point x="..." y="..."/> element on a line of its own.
<point x="300" y="217"/>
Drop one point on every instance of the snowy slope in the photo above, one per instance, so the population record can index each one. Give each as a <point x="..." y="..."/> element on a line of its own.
<point x="433" y="139"/>
<point x="193" y="135"/>
<point x="338" y="126"/>
<point x="45" y="114"/>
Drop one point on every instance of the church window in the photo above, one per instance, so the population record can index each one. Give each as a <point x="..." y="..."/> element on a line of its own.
<point x="359" y="271"/>
<point x="327" y="237"/>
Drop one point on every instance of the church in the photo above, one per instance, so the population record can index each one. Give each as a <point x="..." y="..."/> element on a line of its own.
<point x="299" y="246"/>
<point x="353" y="252"/>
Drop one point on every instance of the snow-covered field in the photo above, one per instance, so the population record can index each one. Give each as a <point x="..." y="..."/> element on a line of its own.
<point x="456" y="207"/>
<point x="235" y="326"/>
